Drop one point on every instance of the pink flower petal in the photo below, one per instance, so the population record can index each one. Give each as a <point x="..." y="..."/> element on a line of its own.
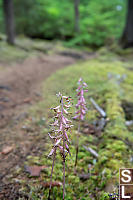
<point x="85" y="84"/>
<point x="51" y="152"/>
<point x="67" y="106"/>
<point x="57" y="142"/>
<point x="61" y="127"/>
<point x="65" y="111"/>
<point x="80" y="80"/>
<point x="75" y="117"/>
<point x="83" y="112"/>
<point x="77" y="105"/>
<point x="55" y="123"/>
<point x="85" y="90"/>
<point x="64" y="120"/>
<point x="79" y="88"/>
<point x="60" y="147"/>
<point x="68" y="121"/>
<point x="82" y="117"/>
<point x="77" y="112"/>
<point x="82" y="92"/>
<point x="66" y="136"/>
<point x="55" y="108"/>
<point x="67" y="147"/>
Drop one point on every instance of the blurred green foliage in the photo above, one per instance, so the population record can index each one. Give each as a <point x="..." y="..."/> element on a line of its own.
<point x="100" y="21"/>
<point x="1" y="17"/>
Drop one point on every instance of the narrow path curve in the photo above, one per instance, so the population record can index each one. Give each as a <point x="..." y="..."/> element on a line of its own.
<point x="20" y="86"/>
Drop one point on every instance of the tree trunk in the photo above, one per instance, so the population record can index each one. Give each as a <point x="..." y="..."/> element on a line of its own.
<point x="76" y="8"/>
<point x="127" y="36"/>
<point x="9" y="20"/>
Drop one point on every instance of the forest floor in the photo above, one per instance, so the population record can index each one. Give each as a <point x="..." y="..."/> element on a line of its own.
<point x="20" y="88"/>
<point x="30" y="75"/>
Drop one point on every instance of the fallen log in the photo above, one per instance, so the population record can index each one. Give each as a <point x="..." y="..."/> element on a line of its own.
<point x="92" y="151"/>
<point x="98" y="108"/>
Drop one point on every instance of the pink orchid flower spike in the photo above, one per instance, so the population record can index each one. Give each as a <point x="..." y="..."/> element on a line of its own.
<point x="80" y="109"/>
<point x="59" y="134"/>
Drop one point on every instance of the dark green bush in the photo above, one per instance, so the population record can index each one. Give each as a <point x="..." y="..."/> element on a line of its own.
<point x="101" y="22"/>
<point x="44" y="18"/>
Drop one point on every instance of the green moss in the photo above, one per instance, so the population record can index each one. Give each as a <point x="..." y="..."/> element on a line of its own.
<point x="11" y="53"/>
<point x="111" y="146"/>
<point x="26" y="47"/>
<point x="104" y="196"/>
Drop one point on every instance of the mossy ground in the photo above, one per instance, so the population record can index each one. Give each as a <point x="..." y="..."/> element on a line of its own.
<point x="26" y="47"/>
<point x="109" y="82"/>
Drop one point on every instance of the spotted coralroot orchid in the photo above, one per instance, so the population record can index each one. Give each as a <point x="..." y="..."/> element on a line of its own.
<point x="81" y="109"/>
<point x="59" y="136"/>
<point x="81" y="105"/>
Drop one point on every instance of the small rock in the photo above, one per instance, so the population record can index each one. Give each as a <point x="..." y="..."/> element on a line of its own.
<point x="34" y="170"/>
<point x="7" y="150"/>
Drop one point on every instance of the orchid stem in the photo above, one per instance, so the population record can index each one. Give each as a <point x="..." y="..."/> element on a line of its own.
<point x="77" y="146"/>
<point x="63" y="154"/>
<point x="63" y="169"/>
<point x="54" y="156"/>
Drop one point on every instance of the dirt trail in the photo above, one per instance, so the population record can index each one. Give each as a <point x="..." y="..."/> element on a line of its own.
<point x="20" y="86"/>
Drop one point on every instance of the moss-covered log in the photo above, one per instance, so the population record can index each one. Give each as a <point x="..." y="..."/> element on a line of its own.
<point x="109" y="83"/>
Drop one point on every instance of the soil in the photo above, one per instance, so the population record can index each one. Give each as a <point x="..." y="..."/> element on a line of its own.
<point x="20" y="87"/>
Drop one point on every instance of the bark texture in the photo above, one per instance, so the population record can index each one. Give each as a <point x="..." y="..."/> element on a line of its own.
<point x="9" y="20"/>
<point x="127" y="36"/>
